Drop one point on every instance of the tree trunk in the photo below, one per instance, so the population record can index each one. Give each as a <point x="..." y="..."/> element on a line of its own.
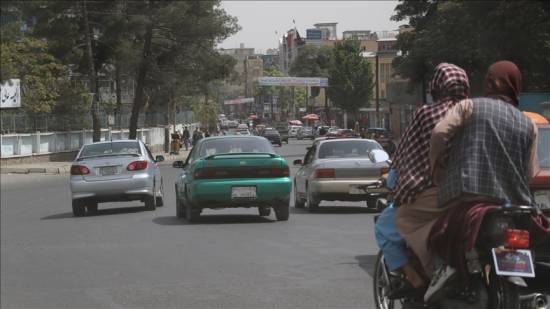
<point x="93" y="78"/>
<point x="141" y="79"/>
<point x="118" y="95"/>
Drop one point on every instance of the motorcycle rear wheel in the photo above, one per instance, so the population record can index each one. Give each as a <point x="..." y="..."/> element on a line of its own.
<point x="382" y="284"/>
<point x="502" y="293"/>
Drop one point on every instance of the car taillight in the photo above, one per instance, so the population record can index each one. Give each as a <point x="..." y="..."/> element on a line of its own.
<point x="324" y="173"/>
<point x="137" y="165"/>
<point x="280" y="171"/>
<point x="516" y="239"/>
<point x="79" y="170"/>
<point x="204" y="173"/>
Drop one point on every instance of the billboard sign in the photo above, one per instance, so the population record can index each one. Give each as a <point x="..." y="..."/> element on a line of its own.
<point x="314" y="34"/>
<point x="238" y="101"/>
<point x="10" y="94"/>
<point x="293" y="81"/>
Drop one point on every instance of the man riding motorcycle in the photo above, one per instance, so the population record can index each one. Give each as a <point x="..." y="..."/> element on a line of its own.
<point x="414" y="188"/>
<point x="491" y="150"/>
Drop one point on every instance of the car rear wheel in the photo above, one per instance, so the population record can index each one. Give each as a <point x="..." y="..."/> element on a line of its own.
<point x="282" y="211"/>
<point x="79" y="210"/>
<point x="191" y="214"/>
<point x="298" y="202"/>
<point x="91" y="207"/>
<point x="371" y="202"/>
<point x="150" y="203"/>
<point x="312" y="203"/>
<point x="160" y="198"/>
<point x="264" y="211"/>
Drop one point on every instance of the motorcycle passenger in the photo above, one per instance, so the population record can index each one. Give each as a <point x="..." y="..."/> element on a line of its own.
<point x="414" y="188"/>
<point x="484" y="150"/>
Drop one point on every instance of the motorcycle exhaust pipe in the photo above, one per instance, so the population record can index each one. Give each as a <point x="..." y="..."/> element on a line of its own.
<point x="534" y="301"/>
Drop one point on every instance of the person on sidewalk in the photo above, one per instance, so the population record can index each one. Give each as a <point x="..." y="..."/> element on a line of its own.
<point x="197" y="135"/>
<point x="186" y="136"/>
<point x="484" y="151"/>
<point x="415" y="194"/>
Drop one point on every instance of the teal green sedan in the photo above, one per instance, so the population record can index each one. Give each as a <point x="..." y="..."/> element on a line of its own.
<point x="233" y="171"/>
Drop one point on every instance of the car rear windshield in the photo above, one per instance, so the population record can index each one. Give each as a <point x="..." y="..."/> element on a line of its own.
<point x="347" y="149"/>
<point x="116" y="148"/>
<point x="272" y="131"/>
<point x="235" y="145"/>
<point x="543" y="147"/>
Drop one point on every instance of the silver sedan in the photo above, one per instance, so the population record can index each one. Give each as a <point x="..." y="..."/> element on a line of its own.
<point x="344" y="169"/>
<point x="121" y="170"/>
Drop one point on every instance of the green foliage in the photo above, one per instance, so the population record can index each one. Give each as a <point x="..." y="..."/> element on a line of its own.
<point x="40" y="73"/>
<point x="311" y="61"/>
<point x="73" y="99"/>
<point x="350" y="77"/>
<point x="474" y="34"/>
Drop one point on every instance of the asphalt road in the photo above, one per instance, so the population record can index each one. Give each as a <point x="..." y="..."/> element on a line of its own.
<point x="126" y="257"/>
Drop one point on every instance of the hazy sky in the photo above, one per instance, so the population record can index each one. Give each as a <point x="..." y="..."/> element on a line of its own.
<point x="260" y="19"/>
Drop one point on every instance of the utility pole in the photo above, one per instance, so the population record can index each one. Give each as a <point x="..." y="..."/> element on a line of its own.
<point x="327" y="111"/>
<point x="377" y="95"/>
<point x="293" y="104"/>
<point x="307" y="100"/>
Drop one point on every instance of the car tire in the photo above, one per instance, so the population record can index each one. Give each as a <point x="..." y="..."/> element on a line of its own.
<point x="91" y="208"/>
<point x="312" y="203"/>
<point x="79" y="210"/>
<point x="264" y="211"/>
<point x="371" y="202"/>
<point x="191" y="215"/>
<point x="150" y="203"/>
<point x="298" y="202"/>
<point x="160" y="199"/>
<point x="282" y="211"/>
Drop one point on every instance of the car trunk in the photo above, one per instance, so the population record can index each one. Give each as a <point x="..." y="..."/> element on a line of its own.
<point x="108" y="168"/>
<point x="353" y="168"/>
<point x="242" y="166"/>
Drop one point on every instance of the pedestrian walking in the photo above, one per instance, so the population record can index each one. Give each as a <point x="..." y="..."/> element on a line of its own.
<point x="186" y="136"/>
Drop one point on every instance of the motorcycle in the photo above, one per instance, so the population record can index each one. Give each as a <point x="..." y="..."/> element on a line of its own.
<point x="498" y="268"/>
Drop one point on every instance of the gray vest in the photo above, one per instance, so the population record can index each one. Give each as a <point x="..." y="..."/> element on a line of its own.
<point x="490" y="155"/>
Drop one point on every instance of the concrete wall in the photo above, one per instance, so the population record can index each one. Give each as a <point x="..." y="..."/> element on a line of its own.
<point x="50" y="146"/>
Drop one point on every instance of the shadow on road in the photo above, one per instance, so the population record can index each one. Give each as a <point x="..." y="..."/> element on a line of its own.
<point x="334" y="210"/>
<point x="100" y="212"/>
<point x="213" y="219"/>
<point x="367" y="263"/>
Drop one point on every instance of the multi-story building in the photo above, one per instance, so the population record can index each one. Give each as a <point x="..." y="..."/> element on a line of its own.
<point x="249" y="66"/>
<point x="271" y="59"/>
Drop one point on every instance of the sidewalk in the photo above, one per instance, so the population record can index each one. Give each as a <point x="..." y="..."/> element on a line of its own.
<point x="52" y="168"/>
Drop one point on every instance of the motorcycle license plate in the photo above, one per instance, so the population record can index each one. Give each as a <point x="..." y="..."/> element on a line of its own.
<point x="513" y="263"/>
<point x="243" y="192"/>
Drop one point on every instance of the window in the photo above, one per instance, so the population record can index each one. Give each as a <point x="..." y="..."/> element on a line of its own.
<point x="115" y="148"/>
<point x="235" y="145"/>
<point x="346" y="149"/>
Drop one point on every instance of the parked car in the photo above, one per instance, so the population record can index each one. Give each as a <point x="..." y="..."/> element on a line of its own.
<point x="273" y="136"/>
<point x="233" y="171"/>
<point x="122" y="170"/>
<point x="341" y="169"/>
<point x="283" y="132"/>
<point x="293" y="130"/>
<point x="242" y="126"/>
<point x="305" y="132"/>
<point x="243" y="132"/>
<point x="321" y="129"/>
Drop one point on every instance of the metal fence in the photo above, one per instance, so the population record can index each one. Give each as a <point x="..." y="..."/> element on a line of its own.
<point x="23" y="123"/>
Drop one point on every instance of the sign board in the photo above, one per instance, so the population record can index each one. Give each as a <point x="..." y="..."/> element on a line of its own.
<point x="238" y="101"/>
<point x="10" y="94"/>
<point x="314" y="34"/>
<point x="293" y="81"/>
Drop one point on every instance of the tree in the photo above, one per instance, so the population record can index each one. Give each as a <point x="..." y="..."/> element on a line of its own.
<point x="474" y="34"/>
<point x="40" y="73"/>
<point x="350" y="77"/>
<point x="311" y="61"/>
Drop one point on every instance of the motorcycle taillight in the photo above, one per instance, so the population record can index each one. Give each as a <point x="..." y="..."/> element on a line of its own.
<point x="516" y="239"/>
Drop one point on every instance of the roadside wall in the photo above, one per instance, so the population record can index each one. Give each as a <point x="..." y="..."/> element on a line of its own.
<point x="63" y="146"/>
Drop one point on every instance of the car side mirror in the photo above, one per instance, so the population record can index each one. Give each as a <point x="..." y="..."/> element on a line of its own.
<point x="178" y="164"/>
<point x="378" y="155"/>
<point x="297" y="162"/>
<point x="159" y="158"/>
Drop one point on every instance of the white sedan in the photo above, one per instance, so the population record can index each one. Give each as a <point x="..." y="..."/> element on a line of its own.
<point x="341" y="170"/>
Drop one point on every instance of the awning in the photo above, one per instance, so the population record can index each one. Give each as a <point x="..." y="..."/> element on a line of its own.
<point x="311" y="117"/>
<point x="295" y="122"/>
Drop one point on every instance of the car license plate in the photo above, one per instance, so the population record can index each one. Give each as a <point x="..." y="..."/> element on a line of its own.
<point x="513" y="262"/>
<point x="243" y="192"/>
<point x="357" y="189"/>
<point x="108" y="170"/>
